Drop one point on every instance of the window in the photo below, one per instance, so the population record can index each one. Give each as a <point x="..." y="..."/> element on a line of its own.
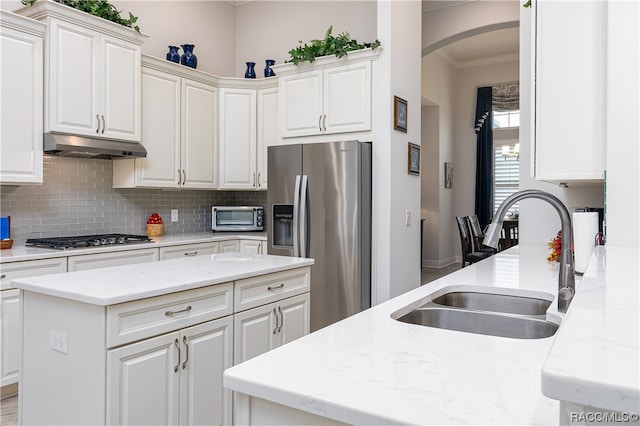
<point x="506" y="176"/>
<point x="505" y="119"/>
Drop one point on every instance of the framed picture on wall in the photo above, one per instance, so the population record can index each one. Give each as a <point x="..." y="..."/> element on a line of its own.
<point x="413" y="167"/>
<point x="399" y="114"/>
<point x="448" y="175"/>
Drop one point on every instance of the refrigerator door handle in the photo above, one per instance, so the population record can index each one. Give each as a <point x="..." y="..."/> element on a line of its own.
<point x="296" y="211"/>
<point x="303" y="216"/>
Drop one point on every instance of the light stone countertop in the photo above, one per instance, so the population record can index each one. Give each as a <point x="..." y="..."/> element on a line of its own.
<point x="118" y="284"/>
<point x="595" y="359"/>
<point x="21" y="253"/>
<point x="371" y="369"/>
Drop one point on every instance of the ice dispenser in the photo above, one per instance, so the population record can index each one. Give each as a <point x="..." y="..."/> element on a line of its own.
<point x="282" y="225"/>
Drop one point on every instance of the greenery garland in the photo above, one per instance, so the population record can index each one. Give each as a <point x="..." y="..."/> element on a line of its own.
<point x="330" y="45"/>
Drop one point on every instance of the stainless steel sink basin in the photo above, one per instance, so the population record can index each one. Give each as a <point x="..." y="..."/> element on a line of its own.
<point x="494" y="302"/>
<point x="479" y="322"/>
<point x="504" y="312"/>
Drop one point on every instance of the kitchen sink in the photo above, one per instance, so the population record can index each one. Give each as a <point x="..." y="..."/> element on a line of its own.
<point x="479" y="322"/>
<point x="517" y="314"/>
<point x="495" y="302"/>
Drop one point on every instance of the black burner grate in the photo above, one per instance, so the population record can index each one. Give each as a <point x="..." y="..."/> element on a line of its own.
<point x="62" y="243"/>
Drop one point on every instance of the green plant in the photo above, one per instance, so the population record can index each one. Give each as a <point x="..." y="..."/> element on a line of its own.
<point x="527" y="4"/>
<point x="100" y="8"/>
<point x="331" y="45"/>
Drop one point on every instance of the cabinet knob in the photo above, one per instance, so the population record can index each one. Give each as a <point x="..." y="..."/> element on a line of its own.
<point x="3" y="276"/>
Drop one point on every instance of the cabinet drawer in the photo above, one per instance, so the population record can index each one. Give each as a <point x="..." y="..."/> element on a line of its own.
<point x="140" y="319"/>
<point x="30" y="268"/>
<point x="188" y="250"/>
<point x="256" y="291"/>
<point x="118" y="258"/>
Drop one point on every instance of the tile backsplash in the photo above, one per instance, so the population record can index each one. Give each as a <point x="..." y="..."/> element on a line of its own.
<point x="76" y="198"/>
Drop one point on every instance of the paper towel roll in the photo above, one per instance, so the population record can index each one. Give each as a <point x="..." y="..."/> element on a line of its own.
<point x="585" y="229"/>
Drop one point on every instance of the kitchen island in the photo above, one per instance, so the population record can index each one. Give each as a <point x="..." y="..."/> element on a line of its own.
<point x="372" y="369"/>
<point x="147" y="343"/>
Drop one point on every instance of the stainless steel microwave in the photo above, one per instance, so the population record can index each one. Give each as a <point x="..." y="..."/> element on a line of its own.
<point x="237" y="218"/>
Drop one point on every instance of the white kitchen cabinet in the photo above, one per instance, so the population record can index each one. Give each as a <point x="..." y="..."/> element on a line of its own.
<point x="189" y="250"/>
<point x="251" y="246"/>
<point x="178" y="131"/>
<point x="10" y="310"/>
<point x="336" y="99"/>
<point x="85" y="262"/>
<point x="21" y="100"/>
<point x="92" y="84"/>
<point x="266" y="327"/>
<point x="229" y="246"/>
<point x="248" y="125"/>
<point x="570" y="107"/>
<point x="179" y="374"/>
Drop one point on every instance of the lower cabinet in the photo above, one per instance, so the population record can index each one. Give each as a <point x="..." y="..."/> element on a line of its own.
<point x="175" y="378"/>
<point x="261" y="329"/>
<point x="118" y="258"/>
<point x="229" y="246"/>
<point x="9" y="340"/>
<point x="251" y="246"/>
<point x="189" y="250"/>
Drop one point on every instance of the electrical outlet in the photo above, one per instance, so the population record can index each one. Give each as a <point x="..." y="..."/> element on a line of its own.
<point x="174" y="215"/>
<point x="58" y="341"/>
<point x="407" y="218"/>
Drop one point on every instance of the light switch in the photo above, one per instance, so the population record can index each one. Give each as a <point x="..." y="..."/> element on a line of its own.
<point x="407" y="218"/>
<point x="174" y="215"/>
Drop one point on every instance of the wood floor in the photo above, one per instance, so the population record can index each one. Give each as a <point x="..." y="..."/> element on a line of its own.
<point x="9" y="406"/>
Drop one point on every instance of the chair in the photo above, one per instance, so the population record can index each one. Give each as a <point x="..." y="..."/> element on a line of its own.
<point x="468" y="254"/>
<point x="509" y="233"/>
<point x="477" y="235"/>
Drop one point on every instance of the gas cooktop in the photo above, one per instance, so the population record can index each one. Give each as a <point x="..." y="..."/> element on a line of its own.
<point x="62" y="243"/>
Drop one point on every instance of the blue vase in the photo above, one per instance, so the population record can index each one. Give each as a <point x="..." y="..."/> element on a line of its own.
<point x="268" y="72"/>
<point x="251" y="72"/>
<point x="173" y="55"/>
<point x="188" y="58"/>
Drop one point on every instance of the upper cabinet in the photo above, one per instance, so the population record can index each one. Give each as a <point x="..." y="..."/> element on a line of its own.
<point x="21" y="86"/>
<point x="329" y="96"/>
<point x="93" y="65"/>
<point x="179" y="132"/>
<point x="569" y="92"/>
<point x="248" y="125"/>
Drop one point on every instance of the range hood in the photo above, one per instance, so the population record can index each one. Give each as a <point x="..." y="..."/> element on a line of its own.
<point x="81" y="146"/>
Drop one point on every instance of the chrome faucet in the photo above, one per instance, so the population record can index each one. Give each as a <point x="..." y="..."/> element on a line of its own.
<point x="566" y="278"/>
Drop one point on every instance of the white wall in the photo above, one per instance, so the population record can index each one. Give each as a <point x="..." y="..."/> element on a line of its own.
<point x="270" y="29"/>
<point x="396" y="256"/>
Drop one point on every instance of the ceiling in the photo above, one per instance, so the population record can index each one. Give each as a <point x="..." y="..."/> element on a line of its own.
<point x="492" y="47"/>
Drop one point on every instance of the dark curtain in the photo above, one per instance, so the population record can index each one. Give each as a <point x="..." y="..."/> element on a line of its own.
<point x="484" y="156"/>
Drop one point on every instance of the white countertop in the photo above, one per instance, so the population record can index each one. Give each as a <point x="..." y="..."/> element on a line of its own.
<point x="595" y="359"/>
<point x="108" y="286"/>
<point x="371" y="369"/>
<point x="20" y="253"/>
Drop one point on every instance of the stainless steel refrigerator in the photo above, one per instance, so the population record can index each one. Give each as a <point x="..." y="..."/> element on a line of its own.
<point x="319" y="206"/>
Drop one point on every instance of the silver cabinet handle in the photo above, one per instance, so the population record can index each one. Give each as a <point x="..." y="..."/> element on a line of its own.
<point x="98" y="120"/>
<point x="259" y="179"/>
<point x="186" y="356"/>
<point x="324" y="122"/>
<point x="255" y="182"/>
<point x="3" y="276"/>
<point x="276" y="287"/>
<point x="303" y="215"/>
<point x="296" y="219"/>
<point x="192" y="253"/>
<point x="177" y="343"/>
<point x="179" y="176"/>
<point x="320" y="123"/>
<point x="275" y="329"/>
<point x="184" y="177"/>
<point x="172" y="313"/>
<point x="281" y="319"/>
<point x="103" y="124"/>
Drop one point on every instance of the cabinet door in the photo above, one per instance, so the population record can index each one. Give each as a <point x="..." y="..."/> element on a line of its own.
<point x="294" y="318"/>
<point x="229" y="246"/>
<point x="237" y="156"/>
<point x="251" y="246"/>
<point x="10" y="337"/>
<point x="207" y="350"/>
<point x="120" y="89"/>
<point x="21" y="111"/>
<point x="189" y="250"/>
<point x="268" y="133"/>
<point x="104" y="260"/>
<point x="301" y="104"/>
<point x="347" y="98"/>
<point x="254" y="332"/>
<point x="143" y="382"/>
<point x="160" y="131"/>
<point x="199" y="135"/>
<point x="73" y="105"/>
<point x="570" y="105"/>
